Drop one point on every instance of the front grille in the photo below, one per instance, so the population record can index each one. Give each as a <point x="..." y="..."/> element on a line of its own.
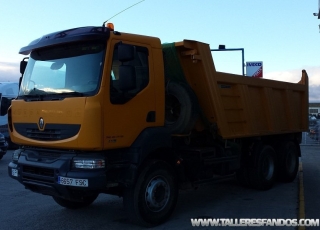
<point x="47" y="134"/>
<point x="50" y="155"/>
<point x="38" y="171"/>
<point x="36" y="174"/>
<point x="52" y="132"/>
<point x="42" y="180"/>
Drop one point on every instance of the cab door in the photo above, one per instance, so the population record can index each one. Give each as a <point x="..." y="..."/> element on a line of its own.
<point x="130" y="105"/>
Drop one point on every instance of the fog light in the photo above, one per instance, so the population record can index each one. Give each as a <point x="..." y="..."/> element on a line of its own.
<point x="89" y="164"/>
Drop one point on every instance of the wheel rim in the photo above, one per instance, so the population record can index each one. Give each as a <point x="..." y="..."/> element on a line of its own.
<point x="157" y="194"/>
<point x="268" y="167"/>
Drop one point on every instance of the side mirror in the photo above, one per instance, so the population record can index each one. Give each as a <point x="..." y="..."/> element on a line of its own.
<point x="127" y="78"/>
<point x="23" y="65"/>
<point x="125" y="52"/>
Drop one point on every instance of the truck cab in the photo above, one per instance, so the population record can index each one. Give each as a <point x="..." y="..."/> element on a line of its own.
<point x="92" y="92"/>
<point x="89" y="100"/>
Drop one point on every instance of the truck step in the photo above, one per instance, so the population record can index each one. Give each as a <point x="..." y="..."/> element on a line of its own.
<point x="215" y="179"/>
<point x="208" y="156"/>
<point x="218" y="160"/>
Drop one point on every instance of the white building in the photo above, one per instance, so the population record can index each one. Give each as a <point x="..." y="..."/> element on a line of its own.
<point x="314" y="109"/>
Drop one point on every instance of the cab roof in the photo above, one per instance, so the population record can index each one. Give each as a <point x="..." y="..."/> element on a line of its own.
<point x="67" y="36"/>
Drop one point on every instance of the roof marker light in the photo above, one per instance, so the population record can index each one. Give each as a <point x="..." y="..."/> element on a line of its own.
<point x="110" y="26"/>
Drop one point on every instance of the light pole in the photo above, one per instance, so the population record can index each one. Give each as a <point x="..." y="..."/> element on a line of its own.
<point x="318" y="14"/>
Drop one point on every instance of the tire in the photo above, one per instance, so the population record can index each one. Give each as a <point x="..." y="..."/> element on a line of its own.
<point x="153" y="197"/>
<point x="288" y="161"/>
<point x="86" y="201"/>
<point x="181" y="108"/>
<point x="262" y="174"/>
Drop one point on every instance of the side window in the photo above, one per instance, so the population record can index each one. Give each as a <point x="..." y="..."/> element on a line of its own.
<point x="140" y="66"/>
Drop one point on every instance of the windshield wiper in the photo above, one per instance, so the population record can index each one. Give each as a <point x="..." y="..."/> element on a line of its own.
<point x="61" y="96"/>
<point x="35" y="97"/>
<point x="73" y="93"/>
<point x="48" y="96"/>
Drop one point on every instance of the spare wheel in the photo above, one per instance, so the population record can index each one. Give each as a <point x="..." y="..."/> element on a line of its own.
<point x="181" y="109"/>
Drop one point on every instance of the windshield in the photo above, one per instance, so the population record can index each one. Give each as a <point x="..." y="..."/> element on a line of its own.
<point x="68" y="70"/>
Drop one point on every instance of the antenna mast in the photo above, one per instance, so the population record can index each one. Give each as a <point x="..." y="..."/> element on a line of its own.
<point x="103" y="25"/>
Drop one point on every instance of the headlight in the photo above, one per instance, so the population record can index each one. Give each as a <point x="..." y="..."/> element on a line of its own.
<point x="88" y="164"/>
<point x="16" y="155"/>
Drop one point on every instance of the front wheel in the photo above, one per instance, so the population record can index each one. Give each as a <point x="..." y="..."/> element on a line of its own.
<point x="153" y="198"/>
<point x="69" y="204"/>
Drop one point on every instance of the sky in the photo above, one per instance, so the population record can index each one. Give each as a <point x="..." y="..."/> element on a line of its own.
<point x="283" y="34"/>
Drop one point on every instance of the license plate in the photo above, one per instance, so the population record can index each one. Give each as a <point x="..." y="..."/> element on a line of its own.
<point x="14" y="172"/>
<point x="73" y="181"/>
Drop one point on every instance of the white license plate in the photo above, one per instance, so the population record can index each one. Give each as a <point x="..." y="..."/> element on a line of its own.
<point x="73" y="181"/>
<point x="14" y="172"/>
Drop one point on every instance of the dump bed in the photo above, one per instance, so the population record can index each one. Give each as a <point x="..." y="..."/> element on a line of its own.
<point x="239" y="106"/>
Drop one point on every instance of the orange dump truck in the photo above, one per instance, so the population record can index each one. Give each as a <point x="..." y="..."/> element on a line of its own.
<point x="101" y="111"/>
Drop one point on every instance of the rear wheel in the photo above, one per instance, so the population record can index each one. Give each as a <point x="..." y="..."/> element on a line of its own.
<point x="86" y="201"/>
<point x="153" y="197"/>
<point x="262" y="174"/>
<point x="288" y="161"/>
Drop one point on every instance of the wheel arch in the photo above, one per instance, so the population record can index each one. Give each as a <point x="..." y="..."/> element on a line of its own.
<point x="278" y="140"/>
<point x="273" y="140"/>
<point x="149" y="143"/>
<point x="156" y="144"/>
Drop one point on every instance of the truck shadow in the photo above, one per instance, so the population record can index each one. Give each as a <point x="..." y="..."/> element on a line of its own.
<point x="223" y="200"/>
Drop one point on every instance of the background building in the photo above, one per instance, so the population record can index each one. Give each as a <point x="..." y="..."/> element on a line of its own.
<point x="314" y="109"/>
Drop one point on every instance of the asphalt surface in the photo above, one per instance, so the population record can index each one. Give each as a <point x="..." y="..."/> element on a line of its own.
<point x="23" y="209"/>
<point x="311" y="178"/>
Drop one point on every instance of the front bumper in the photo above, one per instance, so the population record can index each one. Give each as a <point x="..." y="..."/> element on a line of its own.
<point x="39" y="172"/>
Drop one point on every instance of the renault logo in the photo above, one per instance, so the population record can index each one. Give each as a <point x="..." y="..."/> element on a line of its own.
<point x="41" y="123"/>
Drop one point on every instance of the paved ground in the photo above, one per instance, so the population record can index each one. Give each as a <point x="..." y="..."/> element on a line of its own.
<point x="22" y="209"/>
<point x="311" y="178"/>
